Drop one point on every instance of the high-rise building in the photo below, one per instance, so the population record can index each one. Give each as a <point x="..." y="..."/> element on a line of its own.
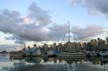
<point x="107" y="40"/>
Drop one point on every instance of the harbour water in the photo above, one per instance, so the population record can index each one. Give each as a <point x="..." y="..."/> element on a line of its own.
<point x="50" y="64"/>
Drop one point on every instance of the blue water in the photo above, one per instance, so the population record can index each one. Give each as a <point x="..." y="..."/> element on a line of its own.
<point x="51" y="64"/>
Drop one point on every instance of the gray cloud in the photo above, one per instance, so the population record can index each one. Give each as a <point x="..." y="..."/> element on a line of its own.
<point x="96" y="6"/>
<point x="38" y="15"/>
<point x="29" y="30"/>
<point x="13" y="23"/>
<point x="87" y="32"/>
<point x="36" y="26"/>
<point x="9" y="21"/>
<point x="57" y="32"/>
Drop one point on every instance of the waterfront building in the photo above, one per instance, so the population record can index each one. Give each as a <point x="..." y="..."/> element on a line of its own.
<point x="84" y="45"/>
<point x="72" y="47"/>
<point x="34" y="46"/>
<point x="107" y="41"/>
<point x="102" y="44"/>
<point x="34" y="51"/>
<point x="94" y="44"/>
<point x="89" y="47"/>
<point x="60" y="47"/>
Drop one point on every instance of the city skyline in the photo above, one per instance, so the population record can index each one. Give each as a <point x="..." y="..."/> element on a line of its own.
<point x="39" y="20"/>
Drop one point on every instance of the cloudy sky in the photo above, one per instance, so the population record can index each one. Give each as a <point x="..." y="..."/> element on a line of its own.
<point x="47" y="20"/>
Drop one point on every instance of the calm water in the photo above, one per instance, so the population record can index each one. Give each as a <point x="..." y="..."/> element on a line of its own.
<point x="50" y="64"/>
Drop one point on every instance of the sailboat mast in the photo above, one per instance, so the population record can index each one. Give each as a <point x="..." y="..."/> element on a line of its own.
<point x="20" y="39"/>
<point x="69" y="31"/>
<point x="74" y="37"/>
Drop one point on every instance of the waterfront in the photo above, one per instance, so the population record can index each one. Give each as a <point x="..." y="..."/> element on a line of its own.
<point x="54" y="64"/>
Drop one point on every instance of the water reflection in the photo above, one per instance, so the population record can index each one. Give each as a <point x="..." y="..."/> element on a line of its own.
<point x="55" y="64"/>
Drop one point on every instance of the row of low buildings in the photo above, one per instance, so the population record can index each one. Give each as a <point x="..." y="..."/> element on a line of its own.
<point x="66" y="47"/>
<point x="71" y="47"/>
<point x="96" y="45"/>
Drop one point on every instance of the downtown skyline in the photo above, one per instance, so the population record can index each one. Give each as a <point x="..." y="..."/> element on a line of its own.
<point x="39" y="20"/>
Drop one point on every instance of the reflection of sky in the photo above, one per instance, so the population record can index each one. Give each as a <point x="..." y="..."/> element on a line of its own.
<point x="4" y="58"/>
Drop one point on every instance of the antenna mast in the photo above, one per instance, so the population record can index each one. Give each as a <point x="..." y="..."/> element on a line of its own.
<point x="69" y="31"/>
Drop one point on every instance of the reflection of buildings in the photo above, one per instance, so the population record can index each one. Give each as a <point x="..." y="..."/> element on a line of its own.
<point x="61" y="65"/>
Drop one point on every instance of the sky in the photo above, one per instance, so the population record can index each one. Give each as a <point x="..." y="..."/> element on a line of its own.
<point x="35" y="21"/>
